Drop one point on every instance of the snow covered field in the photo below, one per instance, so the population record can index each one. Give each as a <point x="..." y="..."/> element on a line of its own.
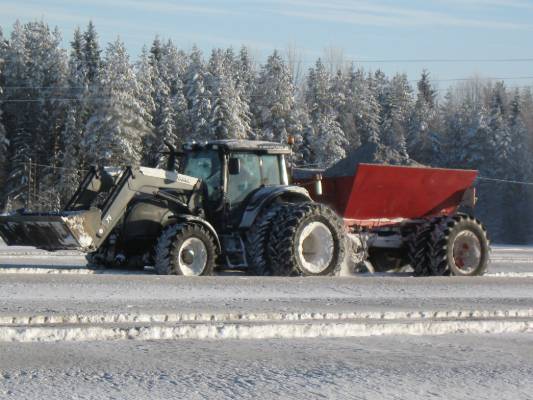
<point x="402" y="367"/>
<point x="385" y="336"/>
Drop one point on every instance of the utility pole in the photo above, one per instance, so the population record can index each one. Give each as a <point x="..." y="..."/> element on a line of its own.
<point x="28" y="201"/>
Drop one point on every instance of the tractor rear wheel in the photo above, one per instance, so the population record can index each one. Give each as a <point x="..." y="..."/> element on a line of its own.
<point x="307" y="239"/>
<point x="459" y="246"/>
<point x="257" y="241"/>
<point x="185" y="249"/>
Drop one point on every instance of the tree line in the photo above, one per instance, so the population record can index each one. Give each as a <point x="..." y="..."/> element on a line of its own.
<point x="62" y="110"/>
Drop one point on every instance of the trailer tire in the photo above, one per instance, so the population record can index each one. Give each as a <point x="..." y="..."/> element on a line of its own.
<point x="299" y="230"/>
<point x="257" y="240"/>
<point x="418" y="249"/>
<point x="459" y="246"/>
<point x="185" y="249"/>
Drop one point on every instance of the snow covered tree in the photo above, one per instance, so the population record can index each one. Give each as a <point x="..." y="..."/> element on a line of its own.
<point x="146" y="72"/>
<point x="174" y="65"/>
<point x="423" y="140"/>
<point x="72" y="134"/>
<point x="329" y="144"/>
<point x="225" y="121"/>
<point x="198" y="96"/>
<point x="35" y="72"/>
<point x="273" y="101"/>
<point x="3" y="136"/>
<point x="116" y="130"/>
<point x="91" y="53"/>
<point x="396" y="109"/>
<point x="499" y="138"/>
<point x="363" y="102"/>
<point x="521" y="165"/>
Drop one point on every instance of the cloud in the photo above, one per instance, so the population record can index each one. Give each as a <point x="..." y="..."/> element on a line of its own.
<point x="384" y="15"/>
<point x="491" y="3"/>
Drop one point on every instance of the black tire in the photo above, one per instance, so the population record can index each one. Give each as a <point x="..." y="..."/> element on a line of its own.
<point x="95" y="260"/>
<point x="419" y="249"/>
<point x="286" y="233"/>
<point x="466" y="237"/>
<point x="169" y="248"/>
<point x="257" y="240"/>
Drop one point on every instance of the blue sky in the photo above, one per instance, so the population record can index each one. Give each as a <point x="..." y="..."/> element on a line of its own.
<point x="363" y="29"/>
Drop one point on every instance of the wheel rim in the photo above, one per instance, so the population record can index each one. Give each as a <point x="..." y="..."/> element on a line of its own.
<point x="316" y="247"/>
<point x="467" y="252"/>
<point x="192" y="257"/>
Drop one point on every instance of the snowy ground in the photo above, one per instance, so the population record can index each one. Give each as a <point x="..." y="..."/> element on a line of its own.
<point x="402" y="367"/>
<point x="387" y="336"/>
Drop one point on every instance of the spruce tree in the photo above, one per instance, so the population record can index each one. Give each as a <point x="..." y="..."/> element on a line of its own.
<point x="423" y="140"/>
<point x="198" y="96"/>
<point x="273" y="101"/>
<point x="116" y="130"/>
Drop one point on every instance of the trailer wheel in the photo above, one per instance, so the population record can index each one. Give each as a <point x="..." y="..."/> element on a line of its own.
<point x="307" y="239"/>
<point x="257" y="241"/>
<point x="185" y="249"/>
<point x="459" y="246"/>
<point x="418" y="249"/>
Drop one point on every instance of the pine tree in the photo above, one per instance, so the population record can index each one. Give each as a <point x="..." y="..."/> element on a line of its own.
<point x="116" y="130"/>
<point x="3" y="136"/>
<point x="366" y="108"/>
<point x="175" y="64"/>
<point x="330" y="143"/>
<point x="147" y="75"/>
<point x="396" y="109"/>
<point x="318" y="93"/>
<point x="72" y="134"/>
<point x="91" y="51"/>
<point x="226" y="117"/>
<point x="423" y="139"/>
<point x="273" y="101"/>
<point x="36" y="70"/>
<point x="198" y="97"/>
<point x="499" y="133"/>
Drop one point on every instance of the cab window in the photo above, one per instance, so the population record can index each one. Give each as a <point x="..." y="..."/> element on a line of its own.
<point x="248" y="179"/>
<point x="270" y="170"/>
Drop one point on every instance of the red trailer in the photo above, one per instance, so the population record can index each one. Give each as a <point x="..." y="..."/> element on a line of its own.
<point x="400" y="215"/>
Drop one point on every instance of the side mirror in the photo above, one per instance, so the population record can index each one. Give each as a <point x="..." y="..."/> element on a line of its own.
<point x="234" y="166"/>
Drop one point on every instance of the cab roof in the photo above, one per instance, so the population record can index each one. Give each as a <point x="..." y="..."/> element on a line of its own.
<point x="241" y="145"/>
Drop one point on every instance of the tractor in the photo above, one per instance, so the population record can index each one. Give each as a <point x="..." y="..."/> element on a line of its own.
<point x="232" y="205"/>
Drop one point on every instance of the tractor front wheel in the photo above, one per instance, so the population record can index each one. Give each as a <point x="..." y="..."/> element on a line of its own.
<point x="185" y="249"/>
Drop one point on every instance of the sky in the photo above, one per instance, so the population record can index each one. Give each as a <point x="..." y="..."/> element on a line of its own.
<point x="453" y="39"/>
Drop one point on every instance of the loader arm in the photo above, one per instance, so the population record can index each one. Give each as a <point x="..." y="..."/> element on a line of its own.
<point x="133" y="181"/>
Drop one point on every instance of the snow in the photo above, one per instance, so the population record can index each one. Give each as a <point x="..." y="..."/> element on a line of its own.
<point x="410" y="367"/>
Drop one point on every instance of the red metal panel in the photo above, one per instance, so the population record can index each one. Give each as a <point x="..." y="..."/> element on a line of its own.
<point x="382" y="194"/>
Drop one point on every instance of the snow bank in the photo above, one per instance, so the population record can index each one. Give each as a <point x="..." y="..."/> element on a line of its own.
<point x="260" y="325"/>
<point x="221" y="331"/>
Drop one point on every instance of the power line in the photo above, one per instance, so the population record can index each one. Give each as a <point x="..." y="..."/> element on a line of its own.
<point x="482" y="178"/>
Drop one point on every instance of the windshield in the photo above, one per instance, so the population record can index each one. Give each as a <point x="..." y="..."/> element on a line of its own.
<point x="205" y="165"/>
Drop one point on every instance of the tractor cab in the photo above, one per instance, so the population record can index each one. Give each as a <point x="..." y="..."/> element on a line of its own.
<point x="232" y="171"/>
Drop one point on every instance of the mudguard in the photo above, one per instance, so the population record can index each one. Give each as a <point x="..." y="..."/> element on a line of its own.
<point x="204" y="223"/>
<point x="266" y="195"/>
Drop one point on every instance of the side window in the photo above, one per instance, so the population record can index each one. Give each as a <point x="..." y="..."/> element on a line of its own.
<point x="249" y="178"/>
<point x="270" y="169"/>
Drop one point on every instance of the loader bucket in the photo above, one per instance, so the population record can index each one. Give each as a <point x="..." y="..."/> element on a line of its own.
<point x="376" y="195"/>
<point x="67" y="230"/>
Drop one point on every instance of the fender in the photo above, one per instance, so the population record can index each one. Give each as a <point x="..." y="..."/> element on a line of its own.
<point x="266" y="195"/>
<point x="204" y="223"/>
